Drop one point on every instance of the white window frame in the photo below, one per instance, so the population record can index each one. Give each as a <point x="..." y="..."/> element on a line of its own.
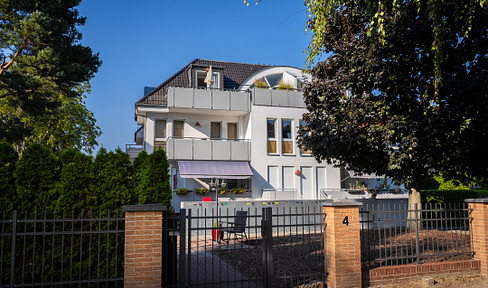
<point x="275" y="139"/>
<point x="290" y="140"/>
<point x="215" y="85"/>
<point x="303" y="153"/>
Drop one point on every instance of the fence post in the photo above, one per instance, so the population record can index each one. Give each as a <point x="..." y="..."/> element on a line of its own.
<point x="267" y="231"/>
<point x="143" y="245"/>
<point x="479" y="231"/>
<point x="342" y="244"/>
<point x="12" y="255"/>
<point x="417" y="238"/>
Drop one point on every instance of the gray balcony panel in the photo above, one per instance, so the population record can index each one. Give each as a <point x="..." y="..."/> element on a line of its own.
<point x="221" y="99"/>
<point x="202" y="98"/>
<point x="297" y="99"/>
<point x="279" y="98"/>
<point x="240" y="151"/>
<point x="239" y="101"/>
<point x="182" y="149"/>
<point x="262" y="96"/>
<point x="221" y="150"/>
<point x="202" y="149"/>
<point x="182" y="97"/>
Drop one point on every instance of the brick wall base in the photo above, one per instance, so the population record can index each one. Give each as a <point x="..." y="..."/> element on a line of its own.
<point x="392" y="274"/>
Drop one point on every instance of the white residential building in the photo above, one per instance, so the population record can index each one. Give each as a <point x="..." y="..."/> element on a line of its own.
<point x="241" y="128"/>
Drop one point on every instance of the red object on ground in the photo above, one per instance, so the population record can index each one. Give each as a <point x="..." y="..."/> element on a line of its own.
<point x="206" y="199"/>
<point x="217" y="234"/>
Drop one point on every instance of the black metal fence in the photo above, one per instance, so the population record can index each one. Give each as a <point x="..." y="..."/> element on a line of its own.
<point x="62" y="249"/>
<point x="280" y="248"/>
<point x="397" y="235"/>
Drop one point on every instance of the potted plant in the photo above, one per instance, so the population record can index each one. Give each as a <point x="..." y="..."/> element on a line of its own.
<point x="217" y="234"/>
<point x="284" y="86"/>
<point x="222" y="191"/>
<point x="261" y="84"/>
<point x="238" y="190"/>
<point x="201" y="191"/>
<point x="181" y="191"/>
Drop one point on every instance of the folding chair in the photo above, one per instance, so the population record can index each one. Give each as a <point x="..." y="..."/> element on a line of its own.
<point x="237" y="227"/>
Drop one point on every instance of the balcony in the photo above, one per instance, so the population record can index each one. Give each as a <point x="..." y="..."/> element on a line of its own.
<point x="208" y="149"/>
<point x="283" y="98"/>
<point x="211" y="99"/>
<point x="133" y="150"/>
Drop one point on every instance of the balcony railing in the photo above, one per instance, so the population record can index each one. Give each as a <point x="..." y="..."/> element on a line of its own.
<point x="280" y="194"/>
<point x="214" y="99"/>
<point x="284" y="98"/>
<point x="133" y="150"/>
<point x="208" y="149"/>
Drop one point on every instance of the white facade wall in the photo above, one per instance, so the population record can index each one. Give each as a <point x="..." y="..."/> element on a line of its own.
<point x="276" y="168"/>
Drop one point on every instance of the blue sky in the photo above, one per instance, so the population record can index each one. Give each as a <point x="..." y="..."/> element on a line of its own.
<point x="142" y="43"/>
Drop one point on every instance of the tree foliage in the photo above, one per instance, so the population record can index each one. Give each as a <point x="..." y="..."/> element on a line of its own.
<point x="376" y="103"/>
<point x="43" y="67"/>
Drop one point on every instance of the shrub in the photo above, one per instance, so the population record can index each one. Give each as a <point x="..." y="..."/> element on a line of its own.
<point x="238" y="190"/>
<point x="261" y="84"/>
<point x="8" y="161"/>
<point x="201" y="191"/>
<point x="284" y="86"/>
<point x="181" y="191"/>
<point x="36" y="178"/>
<point x="446" y="196"/>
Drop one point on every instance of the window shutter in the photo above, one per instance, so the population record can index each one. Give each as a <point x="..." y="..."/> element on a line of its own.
<point x="178" y="128"/>
<point x="231" y="130"/>
<point x="160" y="128"/>
<point x="215" y="130"/>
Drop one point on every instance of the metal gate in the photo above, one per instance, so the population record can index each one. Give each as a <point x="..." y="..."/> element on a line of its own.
<point x="277" y="248"/>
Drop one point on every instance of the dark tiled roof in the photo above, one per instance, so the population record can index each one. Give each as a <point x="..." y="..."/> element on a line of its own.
<point x="234" y="74"/>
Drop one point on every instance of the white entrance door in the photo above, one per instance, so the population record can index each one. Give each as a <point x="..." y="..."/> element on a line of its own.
<point x="306" y="180"/>
<point x="321" y="180"/>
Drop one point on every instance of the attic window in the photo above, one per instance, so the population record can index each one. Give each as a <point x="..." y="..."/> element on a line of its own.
<point x="200" y="79"/>
<point x="276" y="79"/>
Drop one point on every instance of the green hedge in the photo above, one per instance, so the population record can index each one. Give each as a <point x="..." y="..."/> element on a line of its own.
<point x="450" y="196"/>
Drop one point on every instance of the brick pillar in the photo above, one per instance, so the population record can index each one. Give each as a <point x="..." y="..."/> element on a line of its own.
<point x="143" y="245"/>
<point x="342" y="244"/>
<point x="479" y="231"/>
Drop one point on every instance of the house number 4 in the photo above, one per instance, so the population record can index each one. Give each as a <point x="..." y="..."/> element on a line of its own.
<point x="346" y="220"/>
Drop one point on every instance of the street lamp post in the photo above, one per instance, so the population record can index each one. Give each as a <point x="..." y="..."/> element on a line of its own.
<point x="215" y="184"/>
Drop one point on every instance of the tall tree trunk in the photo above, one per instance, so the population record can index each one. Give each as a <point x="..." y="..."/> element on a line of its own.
<point x="414" y="198"/>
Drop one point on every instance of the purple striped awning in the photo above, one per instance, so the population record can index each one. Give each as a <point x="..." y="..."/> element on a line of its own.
<point x="217" y="169"/>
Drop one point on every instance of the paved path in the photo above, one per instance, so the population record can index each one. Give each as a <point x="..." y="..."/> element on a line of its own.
<point x="209" y="270"/>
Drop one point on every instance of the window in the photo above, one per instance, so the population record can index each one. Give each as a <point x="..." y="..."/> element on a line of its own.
<point x="271" y="132"/>
<point x="286" y="137"/>
<point x="159" y="144"/>
<point x="302" y="151"/>
<point x="288" y="177"/>
<point x="160" y="127"/>
<point x="215" y="130"/>
<point x="178" y="128"/>
<point x="200" y="80"/>
<point x="273" y="176"/>
<point x="232" y="131"/>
